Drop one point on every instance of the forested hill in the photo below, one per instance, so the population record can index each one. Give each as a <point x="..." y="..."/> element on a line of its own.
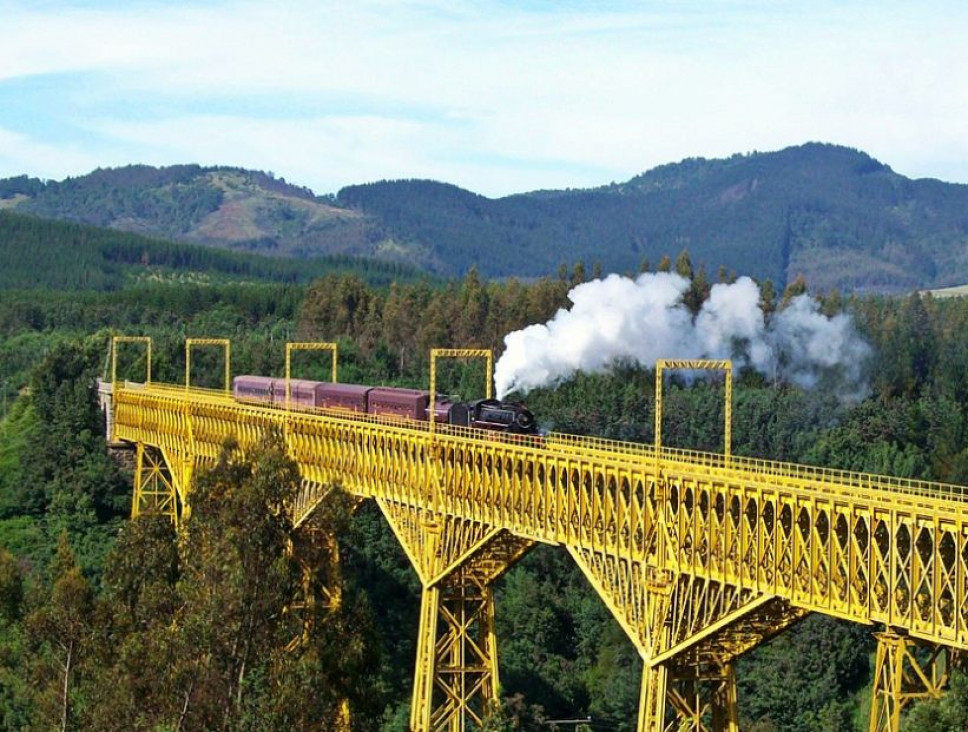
<point x="53" y="255"/>
<point x="833" y="214"/>
<point x="227" y="207"/>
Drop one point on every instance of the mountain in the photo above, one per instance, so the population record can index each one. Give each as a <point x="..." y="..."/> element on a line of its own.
<point x="226" y="207"/>
<point x="833" y="214"/>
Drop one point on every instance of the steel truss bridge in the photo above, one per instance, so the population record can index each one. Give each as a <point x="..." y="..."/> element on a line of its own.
<point x="700" y="557"/>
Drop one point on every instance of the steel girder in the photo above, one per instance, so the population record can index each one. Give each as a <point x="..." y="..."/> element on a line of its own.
<point x="732" y="550"/>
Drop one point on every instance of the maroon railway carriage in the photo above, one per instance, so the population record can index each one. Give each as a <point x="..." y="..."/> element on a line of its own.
<point x="352" y="397"/>
<point x="388" y="401"/>
<point x="302" y="393"/>
<point x="253" y="388"/>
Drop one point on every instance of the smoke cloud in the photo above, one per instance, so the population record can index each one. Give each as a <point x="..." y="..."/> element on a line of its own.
<point x="643" y="320"/>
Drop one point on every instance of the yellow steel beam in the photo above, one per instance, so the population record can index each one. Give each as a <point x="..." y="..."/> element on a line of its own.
<point x="436" y="353"/>
<point x="905" y="672"/>
<point x="154" y="488"/>
<point x="663" y="365"/>
<point x="456" y="674"/>
<point x="223" y="343"/>
<point x="114" y="355"/>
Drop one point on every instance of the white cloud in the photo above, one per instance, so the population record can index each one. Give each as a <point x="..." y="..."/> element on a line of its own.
<point x="20" y="154"/>
<point x="499" y="98"/>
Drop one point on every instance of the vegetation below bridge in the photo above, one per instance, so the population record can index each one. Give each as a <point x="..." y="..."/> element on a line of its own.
<point x="142" y="625"/>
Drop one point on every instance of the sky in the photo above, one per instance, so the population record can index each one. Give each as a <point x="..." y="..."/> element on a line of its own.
<point x="495" y="96"/>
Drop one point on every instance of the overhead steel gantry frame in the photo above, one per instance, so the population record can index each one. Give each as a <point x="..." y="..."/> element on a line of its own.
<point x="699" y="556"/>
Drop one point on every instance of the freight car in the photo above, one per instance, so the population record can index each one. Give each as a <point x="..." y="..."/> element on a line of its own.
<point x="386" y="401"/>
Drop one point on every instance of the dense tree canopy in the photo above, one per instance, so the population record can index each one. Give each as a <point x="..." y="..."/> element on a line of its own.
<point x="104" y="623"/>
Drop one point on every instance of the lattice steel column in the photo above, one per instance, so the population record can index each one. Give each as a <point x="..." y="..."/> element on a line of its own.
<point x="317" y="554"/>
<point x="154" y="488"/>
<point x="652" y="699"/>
<point x="723" y="700"/>
<point x="688" y="699"/>
<point x="456" y="675"/>
<point x="901" y="677"/>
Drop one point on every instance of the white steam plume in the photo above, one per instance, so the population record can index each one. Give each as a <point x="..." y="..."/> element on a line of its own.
<point x="643" y="320"/>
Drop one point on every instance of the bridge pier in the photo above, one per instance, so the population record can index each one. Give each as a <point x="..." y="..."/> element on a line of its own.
<point x="154" y="486"/>
<point x="456" y="677"/>
<point x="906" y="671"/>
<point x="458" y="561"/>
<point x="700" y="699"/>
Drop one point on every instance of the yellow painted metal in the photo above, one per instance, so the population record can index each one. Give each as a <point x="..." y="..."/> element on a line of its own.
<point x="115" y="341"/>
<point x="223" y="343"/>
<point x="699" y="556"/>
<point x="664" y="364"/>
<point x="317" y="554"/>
<point x="154" y="489"/>
<point x="701" y="699"/>
<point x="436" y="353"/>
<point x="902" y="676"/>
<point x="457" y="675"/>
<point x="320" y="346"/>
<point x="458" y="561"/>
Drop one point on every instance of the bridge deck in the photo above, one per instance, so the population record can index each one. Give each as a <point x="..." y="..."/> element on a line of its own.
<point x="864" y="547"/>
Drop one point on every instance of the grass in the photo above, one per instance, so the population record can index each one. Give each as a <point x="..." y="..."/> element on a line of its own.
<point x="956" y="291"/>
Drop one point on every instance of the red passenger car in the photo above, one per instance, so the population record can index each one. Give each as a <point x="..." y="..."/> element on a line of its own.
<point x="403" y="403"/>
<point x="351" y="397"/>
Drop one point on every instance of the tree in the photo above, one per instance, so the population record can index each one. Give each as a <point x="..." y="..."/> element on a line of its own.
<point x="514" y="714"/>
<point x="61" y="632"/>
<point x="11" y="588"/>
<point x="578" y="273"/>
<point x="767" y="297"/>
<point x="67" y="470"/>
<point x="684" y="265"/>
<point x="472" y="312"/>
<point x="947" y="714"/>
<point x="235" y="580"/>
<point x="202" y="639"/>
<point x="698" y="291"/>
<point x="794" y="289"/>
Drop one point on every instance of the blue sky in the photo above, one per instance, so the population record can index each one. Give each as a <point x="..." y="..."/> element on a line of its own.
<point x="495" y="96"/>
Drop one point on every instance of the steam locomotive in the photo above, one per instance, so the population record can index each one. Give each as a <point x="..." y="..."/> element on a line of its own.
<point x="387" y="401"/>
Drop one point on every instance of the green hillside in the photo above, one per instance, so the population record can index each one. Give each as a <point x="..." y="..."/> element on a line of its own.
<point x="237" y="209"/>
<point x="44" y="254"/>
<point x="833" y="214"/>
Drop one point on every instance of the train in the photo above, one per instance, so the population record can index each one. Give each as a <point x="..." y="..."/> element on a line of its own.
<point x="387" y="401"/>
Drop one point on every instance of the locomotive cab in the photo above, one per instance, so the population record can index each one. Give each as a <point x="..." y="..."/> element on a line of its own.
<point x="493" y="414"/>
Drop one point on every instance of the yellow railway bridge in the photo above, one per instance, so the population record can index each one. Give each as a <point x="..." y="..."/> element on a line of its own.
<point x="700" y="557"/>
